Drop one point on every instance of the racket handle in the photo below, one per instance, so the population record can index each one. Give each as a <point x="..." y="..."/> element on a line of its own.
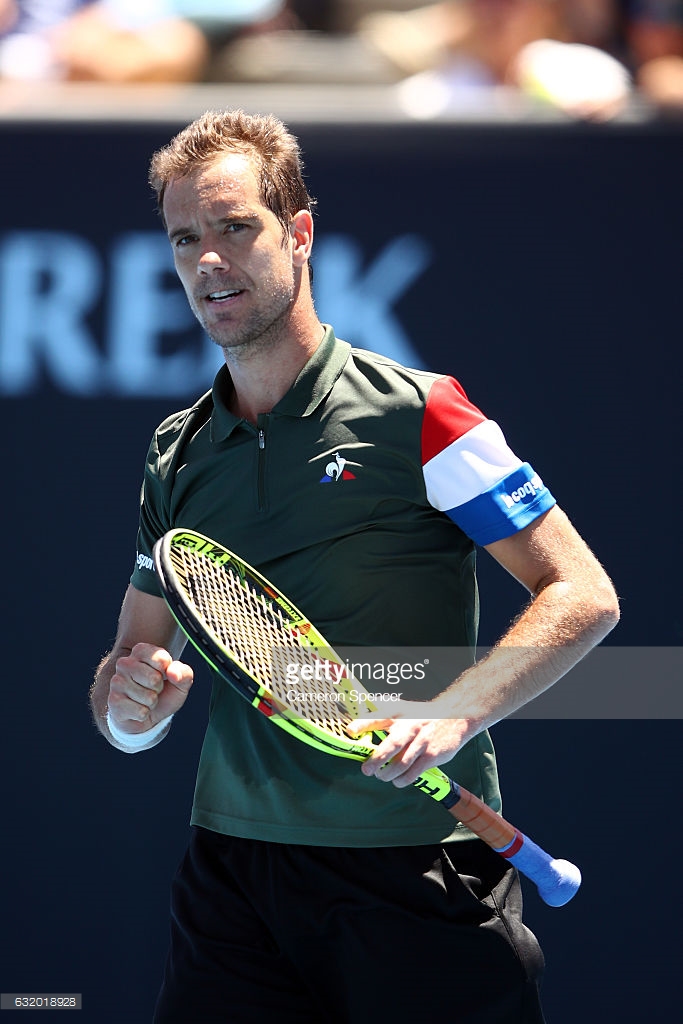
<point x="557" y="881"/>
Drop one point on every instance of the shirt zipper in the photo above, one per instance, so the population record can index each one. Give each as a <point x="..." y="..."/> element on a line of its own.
<point x="261" y="464"/>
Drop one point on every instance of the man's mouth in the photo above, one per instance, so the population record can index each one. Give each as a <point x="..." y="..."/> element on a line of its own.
<point x="223" y="294"/>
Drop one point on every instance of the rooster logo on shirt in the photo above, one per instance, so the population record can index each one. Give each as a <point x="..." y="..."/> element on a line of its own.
<point x="335" y="471"/>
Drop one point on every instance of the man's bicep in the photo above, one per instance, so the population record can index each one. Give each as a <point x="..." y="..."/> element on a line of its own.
<point x="546" y="551"/>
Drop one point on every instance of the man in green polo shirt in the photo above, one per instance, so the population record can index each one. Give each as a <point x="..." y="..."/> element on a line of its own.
<point x="310" y="891"/>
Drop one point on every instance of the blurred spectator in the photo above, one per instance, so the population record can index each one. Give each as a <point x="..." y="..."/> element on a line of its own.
<point x="120" y="41"/>
<point x="315" y="42"/>
<point x="653" y="32"/>
<point x="8" y="14"/>
<point x="582" y="56"/>
<point x="544" y="47"/>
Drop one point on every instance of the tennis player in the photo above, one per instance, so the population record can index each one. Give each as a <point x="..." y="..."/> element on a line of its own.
<point x="361" y="488"/>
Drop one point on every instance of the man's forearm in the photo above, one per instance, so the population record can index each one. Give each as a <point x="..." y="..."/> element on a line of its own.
<point x="567" y="617"/>
<point x="558" y="628"/>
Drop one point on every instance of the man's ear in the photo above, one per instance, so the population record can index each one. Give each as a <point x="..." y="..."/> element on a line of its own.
<point x="301" y="232"/>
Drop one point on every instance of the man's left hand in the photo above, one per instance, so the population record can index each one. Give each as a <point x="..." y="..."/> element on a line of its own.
<point x="413" y="743"/>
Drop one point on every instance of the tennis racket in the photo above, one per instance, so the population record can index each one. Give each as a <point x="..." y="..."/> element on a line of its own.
<point x="261" y="644"/>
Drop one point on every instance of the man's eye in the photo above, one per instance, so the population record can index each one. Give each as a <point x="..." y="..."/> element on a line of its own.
<point x="184" y="240"/>
<point x="235" y="228"/>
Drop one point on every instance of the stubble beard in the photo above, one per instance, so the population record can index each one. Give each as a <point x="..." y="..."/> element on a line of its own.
<point x="261" y="330"/>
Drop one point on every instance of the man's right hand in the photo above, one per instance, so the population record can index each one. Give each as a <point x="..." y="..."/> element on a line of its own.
<point x="147" y="687"/>
<point x="141" y="682"/>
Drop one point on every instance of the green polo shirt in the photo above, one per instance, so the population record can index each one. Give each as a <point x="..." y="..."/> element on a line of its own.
<point x="325" y="495"/>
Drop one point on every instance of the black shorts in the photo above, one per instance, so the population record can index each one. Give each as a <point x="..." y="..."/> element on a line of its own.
<point x="322" y="935"/>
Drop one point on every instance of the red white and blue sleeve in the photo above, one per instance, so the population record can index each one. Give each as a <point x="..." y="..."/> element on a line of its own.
<point x="471" y="474"/>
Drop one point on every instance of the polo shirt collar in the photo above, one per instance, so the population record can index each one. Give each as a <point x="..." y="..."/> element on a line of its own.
<point x="314" y="383"/>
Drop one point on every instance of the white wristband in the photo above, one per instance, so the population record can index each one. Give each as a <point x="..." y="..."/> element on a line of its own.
<point x="138" y="740"/>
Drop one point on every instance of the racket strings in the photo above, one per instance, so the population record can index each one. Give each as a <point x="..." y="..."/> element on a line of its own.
<point x="252" y="628"/>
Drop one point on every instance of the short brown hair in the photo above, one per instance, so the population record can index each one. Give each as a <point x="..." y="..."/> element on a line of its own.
<point x="263" y="137"/>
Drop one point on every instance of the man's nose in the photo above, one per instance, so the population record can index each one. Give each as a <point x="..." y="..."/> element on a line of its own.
<point x="211" y="260"/>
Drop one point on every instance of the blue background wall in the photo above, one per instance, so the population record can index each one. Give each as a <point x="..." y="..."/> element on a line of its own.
<point x="541" y="266"/>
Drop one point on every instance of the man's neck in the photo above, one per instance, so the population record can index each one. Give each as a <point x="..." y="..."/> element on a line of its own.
<point x="262" y="376"/>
